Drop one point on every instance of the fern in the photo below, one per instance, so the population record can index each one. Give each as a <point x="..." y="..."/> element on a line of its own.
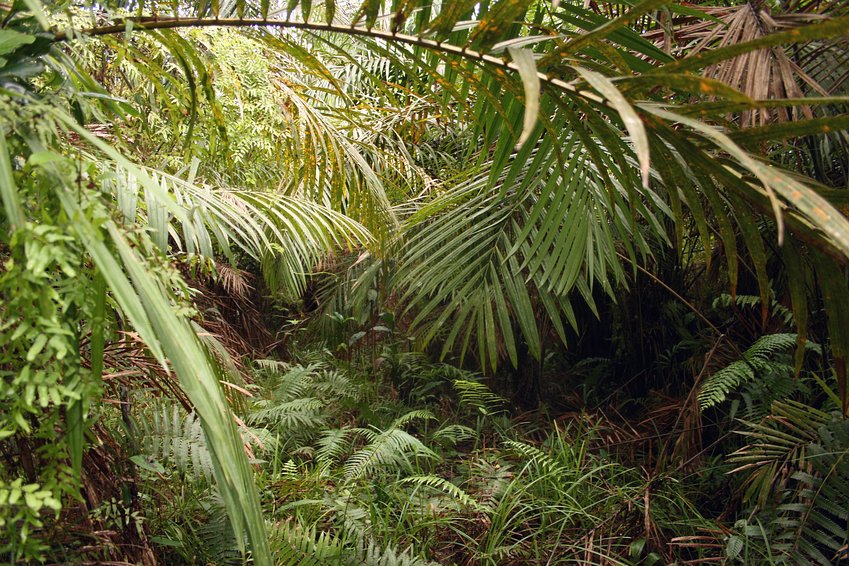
<point x="370" y="554"/>
<point x="333" y="385"/>
<point x="537" y="458"/>
<point x="218" y="542"/>
<point x="296" y="382"/>
<point x="478" y="397"/>
<point x="271" y="366"/>
<point x="174" y="438"/>
<point x="289" y="469"/>
<point x="296" y="546"/>
<point x="293" y="545"/>
<point x="388" y="449"/>
<point x="290" y="382"/>
<point x="763" y="361"/>
<point x="406" y="418"/>
<point x="293" y="415"/>
<point x="445" y="486"/>
<point x="754" y="301"/>
<point x="451" y="434"/>
<point x="333" y="445"/>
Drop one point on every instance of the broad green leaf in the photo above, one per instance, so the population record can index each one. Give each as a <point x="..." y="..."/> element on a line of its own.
<point x="796" y="284"/>
<point x="836" y="301"/>
<point x="143" y="463"/>
<point x="10" y="40"/>
<point x="74" y="432"/>
<point x="198" y="379"/>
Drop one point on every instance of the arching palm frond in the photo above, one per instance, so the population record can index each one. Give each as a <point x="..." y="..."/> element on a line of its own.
<point x="605" y="85"/>
<point x="252" y="221"/>
<point x="483" y="264"/>
<point x="795" y="467"/>
<point x="254" y="121"/>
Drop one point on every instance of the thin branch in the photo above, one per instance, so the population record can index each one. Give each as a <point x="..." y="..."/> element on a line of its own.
<point x="674" y="293"/>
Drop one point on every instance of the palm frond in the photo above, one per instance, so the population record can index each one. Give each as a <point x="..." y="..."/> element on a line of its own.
<point x="795" y="466"/>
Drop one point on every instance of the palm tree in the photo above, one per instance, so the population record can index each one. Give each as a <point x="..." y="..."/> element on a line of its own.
<point x="582" y="140"/>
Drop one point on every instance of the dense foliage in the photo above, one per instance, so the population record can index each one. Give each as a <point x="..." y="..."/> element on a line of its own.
<point x="500" y="282"/>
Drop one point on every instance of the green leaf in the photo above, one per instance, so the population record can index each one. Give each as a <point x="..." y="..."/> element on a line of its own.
<point x="836" y="301"/>
<point x="10" y="40"/>
<point x="496" y="23"/>
<point x="449" y="15"/>
<point x="629" y="116"/>
<point x="8" y="188"/>
<point x="791" y="129"/>
<point x="198" y="379"/>
<point x="796" y="284"/>
<point x="689" y="84"/>
<point x="611" y="26"/>
<point x="74" y="420"/>
<point x="734" y="547"/>
<point x="143" y="463"/>
<point x="524" y="60"/>
<point x="37" y="345"/>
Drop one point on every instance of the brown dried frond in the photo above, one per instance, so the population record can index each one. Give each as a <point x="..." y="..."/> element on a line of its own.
<point x="233" y="281"/>
<point x="710" y="546"/>
<point x="764" y="74"/>
<point x="132" y="366"/>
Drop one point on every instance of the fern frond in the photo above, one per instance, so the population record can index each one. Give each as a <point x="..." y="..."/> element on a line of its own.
<point x="451" y="434"/>
<point x="293" y="545"/>
<point x="269" y="365"/>
<point x="296" y="382"/>
<point x="333" y="445"/>
<point x="389" y="449"/>
<point x="759" y="361"/>
<point x="368" y="553"/>
<point x="333" y="384"/>
<point x="406" y="418"/>
<point x="299" y="414"/>
<point x="175" y="438"/>
<point x="538" y="458"/>
<point x="443" y="485"/>
<point x="752" y="301"/>
<point x="478" y="397"/>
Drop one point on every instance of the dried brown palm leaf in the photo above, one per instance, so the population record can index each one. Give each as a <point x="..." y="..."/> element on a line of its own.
<point x="235" y="282"/>
<point x="765" y="74"/>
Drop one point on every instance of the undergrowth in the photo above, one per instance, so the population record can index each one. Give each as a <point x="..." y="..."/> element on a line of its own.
<point x="352" y="473"/>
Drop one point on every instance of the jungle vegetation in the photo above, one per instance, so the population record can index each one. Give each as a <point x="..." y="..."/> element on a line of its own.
<point x="424" y="282"/>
